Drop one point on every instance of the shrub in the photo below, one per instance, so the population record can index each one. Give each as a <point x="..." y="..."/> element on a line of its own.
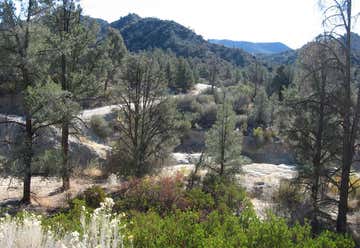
<point x="241" y="122"/>
<point x="258" y="134"/>
<point x="190" y="229"/>
<point x="66" y="221"/>
<point x="163" y="195"/>
<point x="198" y="200"/>
<point x="227" y="194"/>
<point x="205" y="99"/>
<point x="100" y="127"/>
<point x="99" y="229"/>
<point x="192" y="141"/>
<point x="181" y="229"/>
<point x="207" y="116"/>
<point x="93" y="196"/>
<point x="187" y="104"/>
<point x="290" y="200"/>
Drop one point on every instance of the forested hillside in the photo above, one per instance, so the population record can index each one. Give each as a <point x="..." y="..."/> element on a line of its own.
<point x="140" y="133"/>
<point x="148" y="33"/>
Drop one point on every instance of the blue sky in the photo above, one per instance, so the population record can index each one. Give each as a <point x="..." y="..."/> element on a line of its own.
<point x="293" y="22"/>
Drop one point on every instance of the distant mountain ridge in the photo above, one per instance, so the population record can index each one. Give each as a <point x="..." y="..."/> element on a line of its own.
<point x="141" y="34"/>
<point x="254" y="47"/>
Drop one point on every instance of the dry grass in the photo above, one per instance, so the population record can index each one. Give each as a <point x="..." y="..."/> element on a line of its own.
<point x="93" y="172"/>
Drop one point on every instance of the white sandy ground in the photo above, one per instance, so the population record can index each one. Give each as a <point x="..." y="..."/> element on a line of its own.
<point x="253" y="173"/>
<point x="106" y="110"/>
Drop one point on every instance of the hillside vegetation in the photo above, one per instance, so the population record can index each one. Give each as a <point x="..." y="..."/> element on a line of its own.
<point x="140" y="133"/>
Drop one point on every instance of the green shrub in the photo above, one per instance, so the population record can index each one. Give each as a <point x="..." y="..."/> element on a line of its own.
<point x="181" y="229"/>
<point x="66" y="221"/>
<point x="187" y="104"/>
<point x="258" y="134"/>
<point x="93" y="196"/>
<point x="207" y="116"/>
<point x="241" y="122"/>
<point x="190" y="229"/>
<point x="227" y="194"/>
<point x="205" y="99"/>
<point x="289" y="198"/>
<point x="199" y="200"/>
<point x="100" y="127"/>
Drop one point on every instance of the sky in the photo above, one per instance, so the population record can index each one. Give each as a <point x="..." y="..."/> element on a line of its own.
<point x="293" y="22"/>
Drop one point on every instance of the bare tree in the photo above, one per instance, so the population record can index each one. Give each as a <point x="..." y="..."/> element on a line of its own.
<point x="314" y="125"/>
<point x="338" y="22"/>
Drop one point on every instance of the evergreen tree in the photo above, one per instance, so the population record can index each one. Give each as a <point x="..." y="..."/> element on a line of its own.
<point x="281" y="81"/>
<point x="116" y="51"/>
<point x="78" y="65"/>
<point x="184" y="76"/>
<point x="147" y="120"/>
<point x="23" y="39"/>
<point x="223" y="142"/>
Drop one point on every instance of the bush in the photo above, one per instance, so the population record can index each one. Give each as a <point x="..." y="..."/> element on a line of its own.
<point x="162" y="195"/>
<point x="290" y="201"/>
<point x="99" y="229"/>
<point x="187" y="104"/>
<point x="205" y="99"/>
<point x="207" y="116"/>
<point x="192" y="141"/>
<point x="241" y="122"/>
<point x="100" y="127"/>
<point x="258" y="134"/>
<point x="190" y="229"/>
<point x="227" y="194"/>
<point x="93" y="196"/>
<point x="198" y="200"/>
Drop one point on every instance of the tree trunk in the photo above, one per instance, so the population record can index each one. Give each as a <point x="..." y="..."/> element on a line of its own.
<point x="348" y="136"/>
<point x="27" y="162"/>
<point x="65" y="155"/>
<point x="317" y="164"/>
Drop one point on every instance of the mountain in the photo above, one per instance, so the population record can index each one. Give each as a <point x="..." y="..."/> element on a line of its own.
<point x="284" y="58"/>
<point x="254" y="47"/>
<point x="148" y="33"/>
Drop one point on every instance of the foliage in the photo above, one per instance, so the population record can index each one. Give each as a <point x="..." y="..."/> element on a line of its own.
<point x="100" y="127"/>
<point x="260" y="115"/>
<point x="148" y="33"/>
<point x="189" y="229"/>
<point x="147" y="121"/>
<point x="281" y="81"/>
<point x="207" y="116"/>
<point x="163" y="195"/>
<point x="93" y="196"/>
<point x="227" y="194"/>
<point x="223" y="141"/>
<point x="99" y="229"/>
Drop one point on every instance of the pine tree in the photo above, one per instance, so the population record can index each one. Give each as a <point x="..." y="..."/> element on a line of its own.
<point x="23" y="39"/>
<point x="223" y="142"/>
<point x="147" y="120"/>
<point x="79" y="65"/>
